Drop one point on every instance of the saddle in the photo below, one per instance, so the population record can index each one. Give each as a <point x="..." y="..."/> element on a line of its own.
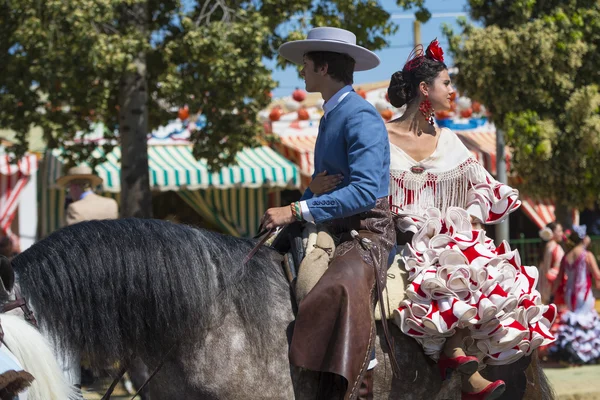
<point x="307" y="250"/>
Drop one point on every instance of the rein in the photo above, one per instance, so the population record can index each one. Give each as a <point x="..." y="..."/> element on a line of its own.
<point x="266" y="234"/>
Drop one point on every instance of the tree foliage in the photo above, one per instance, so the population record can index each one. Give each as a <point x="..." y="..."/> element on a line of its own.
<point x="535" y="65"/>
<point x="63" y="62"/>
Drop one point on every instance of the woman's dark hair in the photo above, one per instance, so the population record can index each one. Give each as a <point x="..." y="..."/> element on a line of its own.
<point x="339" y="66"/>
<point x="574" y="239"/>
<point x="404" y="85"/>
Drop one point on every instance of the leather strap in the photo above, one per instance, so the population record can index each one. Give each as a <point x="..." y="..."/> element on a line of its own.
<point x="368" y="245"/>
<point x="20" y="301"/>
<point x="266" y="234"/>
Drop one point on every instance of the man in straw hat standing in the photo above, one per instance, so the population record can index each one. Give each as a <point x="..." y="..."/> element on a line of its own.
<point x="86" y="204"/>
<point x="334" y="332"/>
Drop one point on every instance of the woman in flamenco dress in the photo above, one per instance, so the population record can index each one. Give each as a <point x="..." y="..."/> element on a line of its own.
<point x="467" y="302"/>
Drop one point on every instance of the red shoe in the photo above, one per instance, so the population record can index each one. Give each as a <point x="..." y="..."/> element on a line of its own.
<point x="464" y="364"/>
<point x="491" y="392"/>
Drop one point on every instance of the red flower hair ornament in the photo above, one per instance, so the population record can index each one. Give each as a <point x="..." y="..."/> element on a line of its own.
<point x="415" y="58"/>
<point x="435" y="51"/>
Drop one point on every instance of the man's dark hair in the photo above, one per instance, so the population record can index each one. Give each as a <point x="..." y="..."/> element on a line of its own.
<point x="339" y="66"/>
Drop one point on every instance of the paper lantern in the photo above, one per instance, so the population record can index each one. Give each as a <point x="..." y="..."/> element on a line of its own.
<point x="362" y="93"/>
<point x="476" y="107"/>
<point x="382" y="105"/>
<point x="387" y="114"/>
<point x="453" y="96"/>
<point x="292" y="105"/>
<point x="263" y="116"/>
<point x="463" y="103"/>
<point x="466" y="113"/>
<point x="275" y="114"/>
<point x="183" y="113"/>
<point x="303" y="114"/>
<point x="299" y="95"/>
<point x="444" y="114"/>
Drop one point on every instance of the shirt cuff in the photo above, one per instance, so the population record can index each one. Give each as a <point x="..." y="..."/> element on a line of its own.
<point x="306" y="212"/>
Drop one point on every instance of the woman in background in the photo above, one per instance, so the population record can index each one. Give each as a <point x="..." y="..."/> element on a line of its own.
<point x="552" y="234"/>
<point x="578" y="334"/>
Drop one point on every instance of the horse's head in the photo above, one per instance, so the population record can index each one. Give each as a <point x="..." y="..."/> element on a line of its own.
<point x="7" y="276"/>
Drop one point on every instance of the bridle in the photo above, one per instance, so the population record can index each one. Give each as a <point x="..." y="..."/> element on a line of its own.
<point x="21" y="302"/>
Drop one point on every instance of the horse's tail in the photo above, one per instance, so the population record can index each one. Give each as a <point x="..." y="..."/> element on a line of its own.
<point x="546" y="392"/>
<point x="36" y="357"/>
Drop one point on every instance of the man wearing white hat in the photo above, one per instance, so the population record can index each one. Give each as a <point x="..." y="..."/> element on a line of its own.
<point x="334" y="330"/>
<point x="86" y="204"/>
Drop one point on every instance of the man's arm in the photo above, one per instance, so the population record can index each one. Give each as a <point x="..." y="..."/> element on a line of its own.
<point x="367" y="146"/>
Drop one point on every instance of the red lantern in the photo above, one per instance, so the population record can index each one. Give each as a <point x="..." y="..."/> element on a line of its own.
<point x="299" y="95"/>
<point x="303" y="114"/>
<point x="453" y="96"/>
<point x="275" y="114"/>
<point x="466" y="113"/>
<point x="476" y="107"/>
<point x="362" y="93"/>
<point x="444" y="114"/>
<point x="387" y="114"/>
<point x="183" y="113"/>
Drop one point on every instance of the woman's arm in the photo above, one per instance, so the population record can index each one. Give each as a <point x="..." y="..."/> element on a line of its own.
<point x="593" y="267"/>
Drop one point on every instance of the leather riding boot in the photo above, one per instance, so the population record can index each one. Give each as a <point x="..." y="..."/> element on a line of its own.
<point x="365" y="390"/>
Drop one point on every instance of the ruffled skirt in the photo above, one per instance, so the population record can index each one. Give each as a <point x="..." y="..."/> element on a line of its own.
<point x="458" y="279"/>
<point x="577" y="338"/>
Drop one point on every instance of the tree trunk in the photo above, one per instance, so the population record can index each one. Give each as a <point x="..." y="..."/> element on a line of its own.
<point x="136" y="198"/>
<point x="564" y="215"/>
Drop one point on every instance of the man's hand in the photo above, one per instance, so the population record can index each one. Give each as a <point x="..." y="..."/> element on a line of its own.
<point x="277" y="216"/>
<point x="323" y="183"/>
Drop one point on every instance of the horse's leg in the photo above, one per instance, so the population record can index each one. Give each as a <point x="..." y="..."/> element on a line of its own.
<point x="138" y="372"/>
<point x="419" y="376"/>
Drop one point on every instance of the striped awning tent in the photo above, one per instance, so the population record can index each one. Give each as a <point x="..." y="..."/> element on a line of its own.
<point x="233" y="198"/>
<point x="14" y="175"/>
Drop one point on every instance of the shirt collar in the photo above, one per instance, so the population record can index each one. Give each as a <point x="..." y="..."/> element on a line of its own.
<point x="336" y="99"/>
<point x="85" y="194"/>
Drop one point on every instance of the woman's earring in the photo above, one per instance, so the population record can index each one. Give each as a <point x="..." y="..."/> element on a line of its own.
<point x="427" y="110"/>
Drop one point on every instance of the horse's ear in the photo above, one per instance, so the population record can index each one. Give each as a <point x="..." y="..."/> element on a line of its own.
<point x="7" y="274"/>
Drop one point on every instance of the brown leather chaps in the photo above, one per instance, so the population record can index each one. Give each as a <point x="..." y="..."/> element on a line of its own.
<point x="335" y="327"/>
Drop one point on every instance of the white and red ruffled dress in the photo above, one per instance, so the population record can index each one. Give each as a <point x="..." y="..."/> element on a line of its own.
<point x="457" y="277"/>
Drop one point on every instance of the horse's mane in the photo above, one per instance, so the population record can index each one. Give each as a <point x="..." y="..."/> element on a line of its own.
<point x="107" y="287"/>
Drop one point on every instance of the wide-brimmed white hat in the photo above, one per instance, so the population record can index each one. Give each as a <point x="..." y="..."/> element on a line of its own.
<point x="80" y="173"/>
<point x="330" y="39"/>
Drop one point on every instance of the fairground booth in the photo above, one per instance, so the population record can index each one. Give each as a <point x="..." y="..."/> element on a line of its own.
<point x="231" y="200"/>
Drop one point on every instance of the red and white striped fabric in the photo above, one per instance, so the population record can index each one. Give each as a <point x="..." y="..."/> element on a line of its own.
<point x="14" y="175"/>
<point x="540" y="212"/>
<point x="482" y="143"/>
<point x="299" y="149"/>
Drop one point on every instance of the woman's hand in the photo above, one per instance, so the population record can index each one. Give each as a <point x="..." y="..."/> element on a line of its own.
<point x="323" y="183"/>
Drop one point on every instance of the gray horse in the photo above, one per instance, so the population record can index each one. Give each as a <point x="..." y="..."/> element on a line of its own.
<point x="166" y="293"/>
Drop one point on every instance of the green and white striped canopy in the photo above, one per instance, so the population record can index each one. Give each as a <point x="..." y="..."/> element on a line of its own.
<point x="173" y="167"/>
